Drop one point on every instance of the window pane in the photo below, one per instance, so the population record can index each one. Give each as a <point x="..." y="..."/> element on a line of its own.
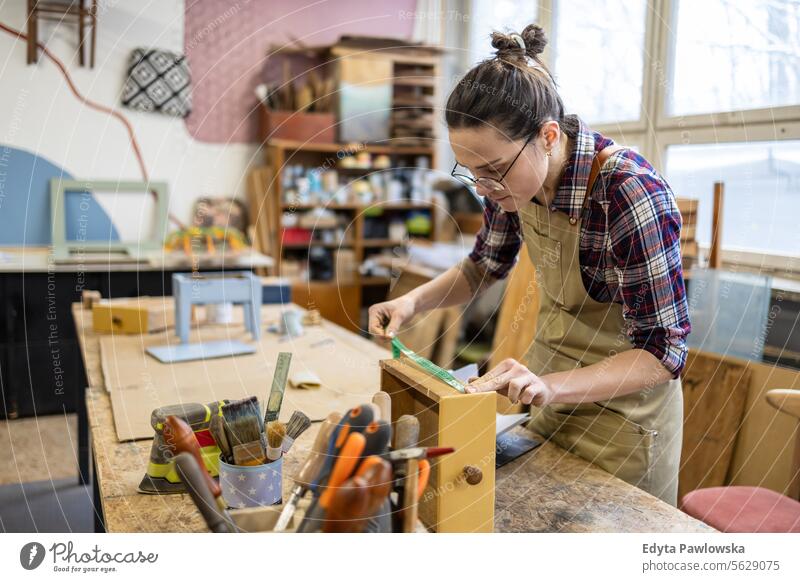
<point x="599" y="58"/>
<point x="504" y="16"/>
<point x="762" y="191"/>
<point x="731" y="55"/>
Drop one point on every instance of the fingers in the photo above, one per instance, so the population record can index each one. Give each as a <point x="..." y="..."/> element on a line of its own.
<point x="394" y="323"/>
<point x="379" y="318"/>
<point x="500" y="368"/>
<point x="494" y="384"/>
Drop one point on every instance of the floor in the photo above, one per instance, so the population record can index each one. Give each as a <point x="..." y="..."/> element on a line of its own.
<point x="39" y="490"/>
<point x="38" y="449"/>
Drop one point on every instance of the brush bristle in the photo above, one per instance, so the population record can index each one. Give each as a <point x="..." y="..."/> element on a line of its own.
<point x="298" y="424"/>
<point x="243" y="430"/>
<point x="276" y="431"/>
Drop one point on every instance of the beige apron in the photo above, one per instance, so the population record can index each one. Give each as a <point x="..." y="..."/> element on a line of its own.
<point x="636" y="437"/>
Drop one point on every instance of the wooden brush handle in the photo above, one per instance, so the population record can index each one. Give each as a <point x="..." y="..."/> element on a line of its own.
<point x="316" y="457"/>
<point x="180" y="438"/>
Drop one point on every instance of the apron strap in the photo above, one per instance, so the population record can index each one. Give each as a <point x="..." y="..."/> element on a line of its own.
<point x="598" y="162"/>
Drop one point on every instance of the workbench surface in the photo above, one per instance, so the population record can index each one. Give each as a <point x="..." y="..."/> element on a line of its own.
<point x="548" y="490"/>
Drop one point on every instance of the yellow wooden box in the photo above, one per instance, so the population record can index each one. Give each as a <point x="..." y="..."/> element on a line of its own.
<point x="109" y="317"/>
<point x="460" y="492"/>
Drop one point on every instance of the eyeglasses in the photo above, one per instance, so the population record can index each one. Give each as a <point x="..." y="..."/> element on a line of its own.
<point x="491" y="184"/>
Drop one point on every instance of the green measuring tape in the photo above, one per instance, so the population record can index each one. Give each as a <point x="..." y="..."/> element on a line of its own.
<point x="398" y="349"/>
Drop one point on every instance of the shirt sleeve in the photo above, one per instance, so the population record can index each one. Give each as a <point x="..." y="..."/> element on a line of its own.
<point x="645" y="224"/>
<point x="498" y="241"/>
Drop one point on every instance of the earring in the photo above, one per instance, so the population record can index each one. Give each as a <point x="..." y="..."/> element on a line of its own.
<point x="548" y="153"/>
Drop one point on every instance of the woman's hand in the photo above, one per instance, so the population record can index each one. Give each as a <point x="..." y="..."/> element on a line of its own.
<point x="515" y="381"/>
<point x="387" y="317"/>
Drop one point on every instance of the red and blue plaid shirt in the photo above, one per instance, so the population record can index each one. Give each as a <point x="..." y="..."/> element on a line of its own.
<point x="629" y="244"/>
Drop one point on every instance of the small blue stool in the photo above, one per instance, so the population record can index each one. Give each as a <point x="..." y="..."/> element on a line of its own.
<point x="238" y="287"/>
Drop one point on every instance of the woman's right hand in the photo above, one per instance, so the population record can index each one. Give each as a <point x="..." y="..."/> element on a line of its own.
<point x="387" y="317"/>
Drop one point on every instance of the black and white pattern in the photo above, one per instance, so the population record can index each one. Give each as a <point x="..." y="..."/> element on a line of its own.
<point x="158" y="81"/>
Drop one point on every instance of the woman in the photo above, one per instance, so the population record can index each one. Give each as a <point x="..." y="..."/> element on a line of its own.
<point x="602" y="230"/>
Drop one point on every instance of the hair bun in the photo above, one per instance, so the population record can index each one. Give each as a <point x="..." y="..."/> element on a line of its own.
<point x="533" y="39"/>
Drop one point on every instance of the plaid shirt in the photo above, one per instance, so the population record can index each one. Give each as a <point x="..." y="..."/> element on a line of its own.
<point x="629" y="245"/>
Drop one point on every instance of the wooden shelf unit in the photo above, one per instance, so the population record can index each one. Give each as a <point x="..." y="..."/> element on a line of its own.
<point x="340" y="298"/>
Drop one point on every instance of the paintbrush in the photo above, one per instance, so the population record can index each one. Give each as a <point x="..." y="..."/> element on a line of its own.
<point x="247" y="447"/>
<point x="298" y="424"/>
<point x="245" y="408"/>
<point x="217" y="429"/>
<point x="276" y="432"/>
<point x="310" y="470"/>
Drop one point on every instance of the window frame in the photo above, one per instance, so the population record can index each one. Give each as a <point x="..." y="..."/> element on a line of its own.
<point x="656" y="130"/>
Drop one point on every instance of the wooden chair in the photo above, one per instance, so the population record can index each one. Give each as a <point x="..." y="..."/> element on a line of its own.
<point x="739" y="509"/>
<point x="73" y="11"/>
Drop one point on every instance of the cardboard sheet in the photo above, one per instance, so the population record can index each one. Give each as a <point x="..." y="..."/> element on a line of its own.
<point x="346" y="364"/>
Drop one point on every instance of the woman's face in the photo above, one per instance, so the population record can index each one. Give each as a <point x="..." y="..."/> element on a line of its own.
<point x="486" y="153"/>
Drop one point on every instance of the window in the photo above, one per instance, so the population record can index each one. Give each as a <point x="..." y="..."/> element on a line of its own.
<point x="731" y="55"/>
<point x="762" y="191"/>
<point x="599" y="58"/>
<point x="503" y="15"/>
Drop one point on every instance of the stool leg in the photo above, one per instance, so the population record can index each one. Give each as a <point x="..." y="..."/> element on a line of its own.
<point x="32" y="36"/>
<point x="81" y="25"/>
<point x="94" y="34"/>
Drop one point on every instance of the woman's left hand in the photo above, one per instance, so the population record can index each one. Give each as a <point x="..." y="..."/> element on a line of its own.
<point x="514" y="380"/>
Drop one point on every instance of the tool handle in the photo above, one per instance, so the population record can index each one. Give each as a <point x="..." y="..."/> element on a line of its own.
<point x="179" y="436"/>
<point x="191" y="475"/>
<point x="355" y="420"/>
<point x="424" y="475"/>
<point x="345" y="464"/>
<point x="410" y="497"/>
<point x="406" y="432"/>
<point x="384" y="402"/>
<point x="316" y="458"/>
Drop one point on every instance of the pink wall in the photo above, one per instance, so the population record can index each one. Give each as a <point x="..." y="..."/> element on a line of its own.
<point x="227" y="42"/>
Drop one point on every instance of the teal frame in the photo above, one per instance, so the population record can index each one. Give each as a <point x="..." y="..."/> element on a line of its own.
<point x="62" y="248"/>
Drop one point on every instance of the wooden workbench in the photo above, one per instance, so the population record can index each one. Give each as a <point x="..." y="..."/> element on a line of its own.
<point x="549" y="490"/>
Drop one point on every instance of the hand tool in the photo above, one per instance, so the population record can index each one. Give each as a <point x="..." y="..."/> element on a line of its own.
<point x="180" y="439"/>
<point x="409" y="499"/>
<point x="417" y="453"/>
<point x="406" y="436"/>
<point x="298" y="424"/>
<point x="278" y="387"/>
<point x="310" y="469"/>
<point x="384" y="402"/>
<point x="191" y="474"/>
<point x="355" y="420"/>
<point x="406" y="432"/>
<point x="348" y="457"/>
<point x="356" y="502"/>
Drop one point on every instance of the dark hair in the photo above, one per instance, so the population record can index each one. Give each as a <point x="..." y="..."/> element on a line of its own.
<point x="512" y="91"/>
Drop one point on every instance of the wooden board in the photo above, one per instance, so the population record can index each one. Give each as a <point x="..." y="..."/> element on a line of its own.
<point x="346" y="364"/>
<point x="714" y="395"/>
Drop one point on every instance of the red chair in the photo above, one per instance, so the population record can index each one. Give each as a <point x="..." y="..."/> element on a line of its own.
<point x="739" y="509"/>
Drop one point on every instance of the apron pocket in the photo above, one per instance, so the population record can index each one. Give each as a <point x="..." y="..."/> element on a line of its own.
<point x="607" y="439"/>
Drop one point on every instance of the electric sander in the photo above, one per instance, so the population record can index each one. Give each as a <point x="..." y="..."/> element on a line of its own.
<point x="161" y="476"/>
